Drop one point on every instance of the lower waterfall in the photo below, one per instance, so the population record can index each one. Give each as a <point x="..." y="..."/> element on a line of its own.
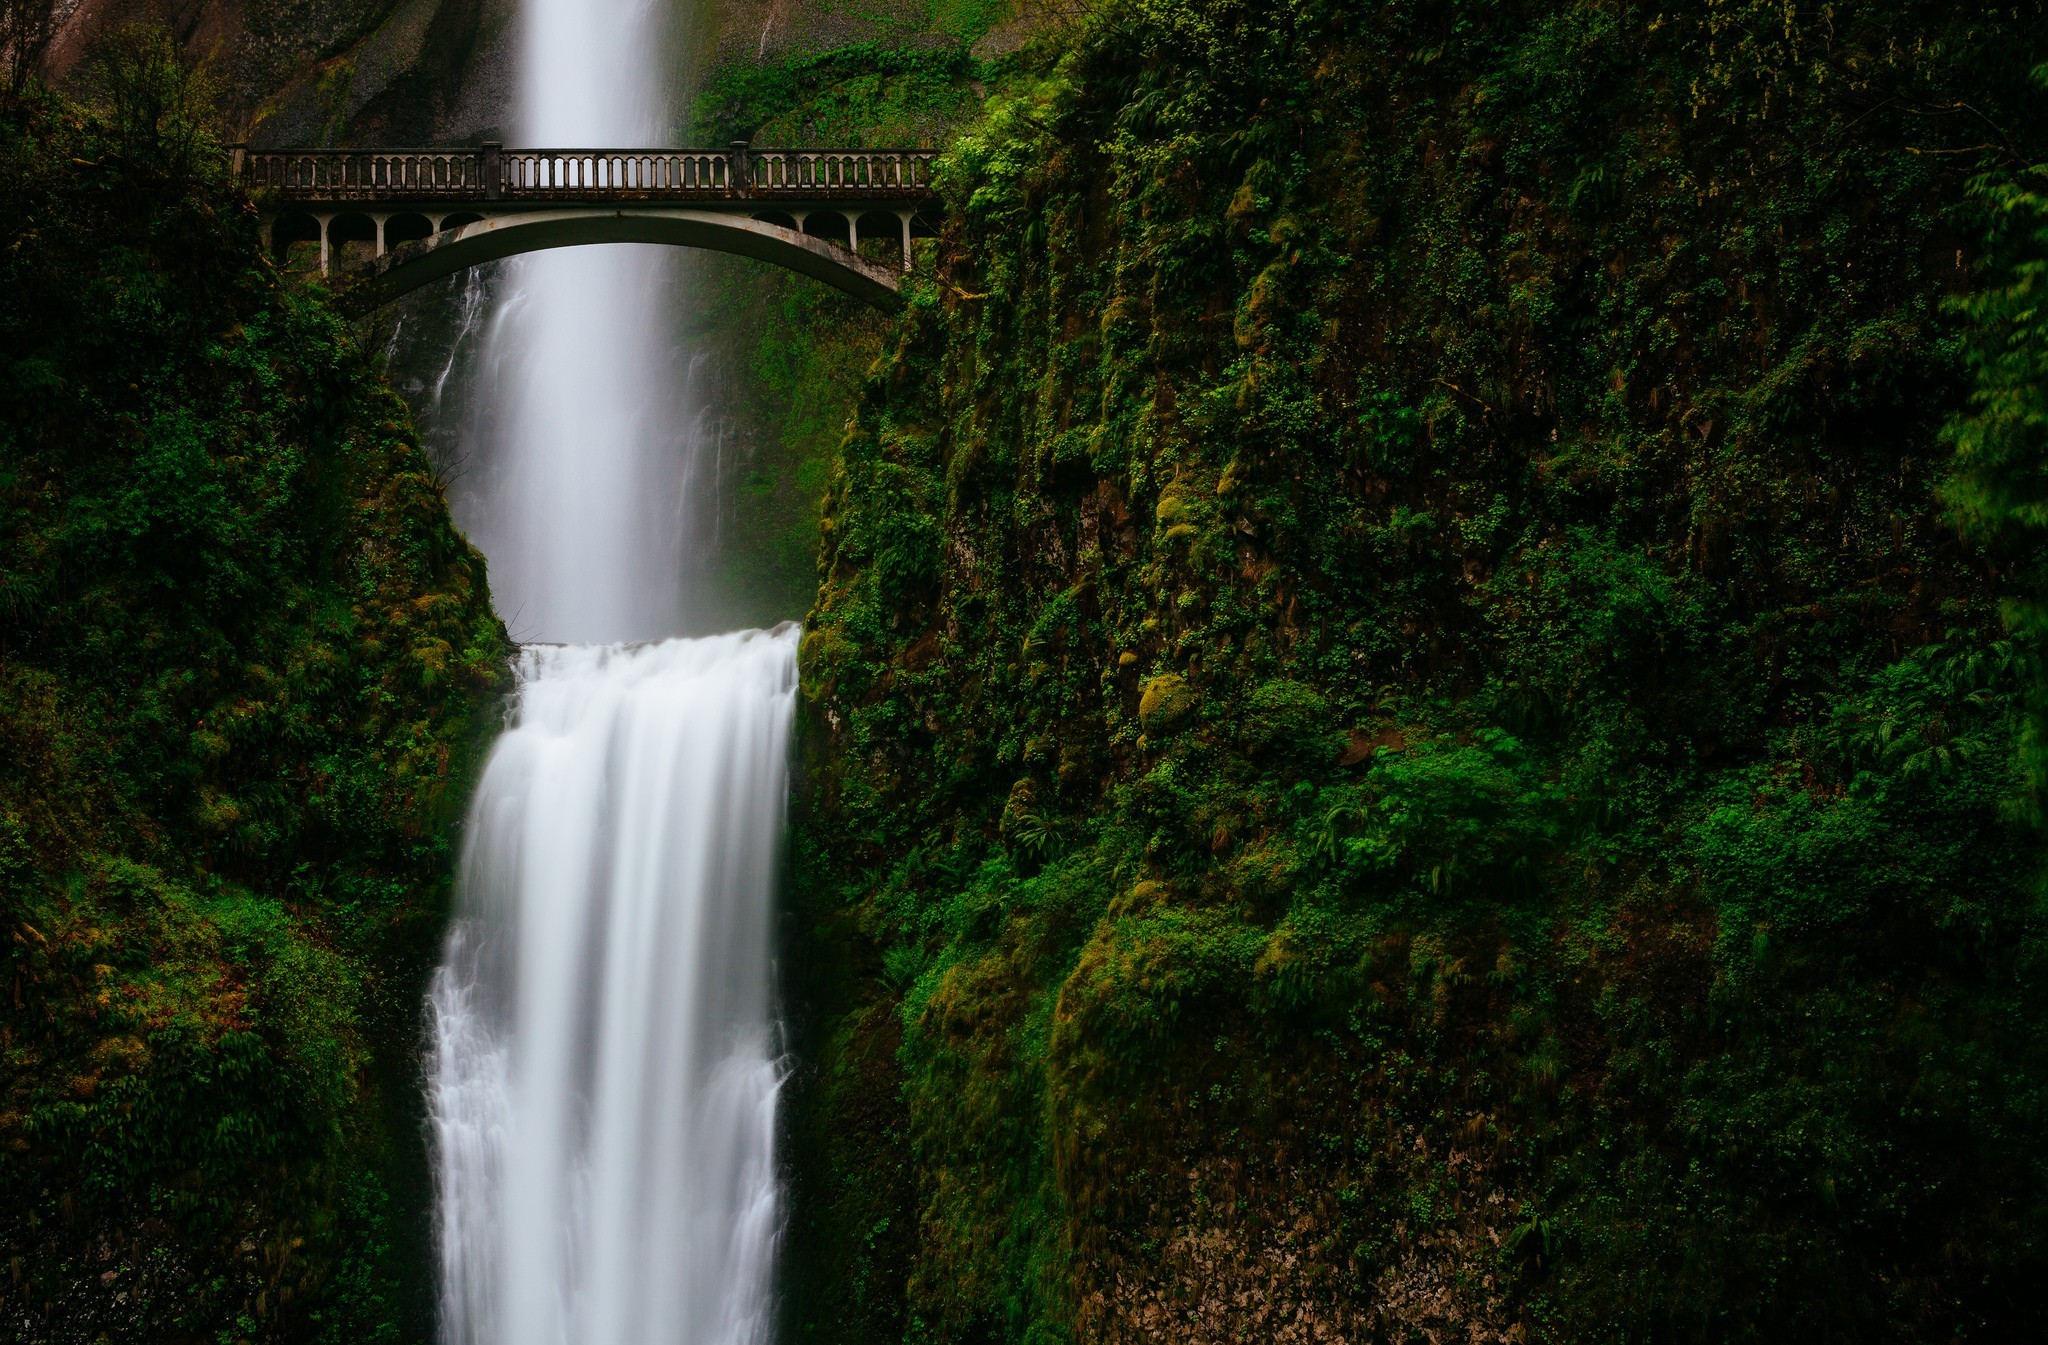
<point x="604" y="1065"/>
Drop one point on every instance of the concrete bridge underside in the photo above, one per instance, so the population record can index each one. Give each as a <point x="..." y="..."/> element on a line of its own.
<point x="468" y="241"/>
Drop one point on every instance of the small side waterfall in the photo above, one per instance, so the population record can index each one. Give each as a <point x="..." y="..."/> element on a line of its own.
<point x="604" y="1073"/>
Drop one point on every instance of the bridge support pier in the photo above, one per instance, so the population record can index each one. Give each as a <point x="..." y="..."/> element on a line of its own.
<point x="905" y="215"/>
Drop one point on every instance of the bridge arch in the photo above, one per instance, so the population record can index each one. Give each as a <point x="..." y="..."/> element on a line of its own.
<point x="352" y="238"/>
<point x="407" y="226"/>
<point x="413" y="264"/>
<point x="295" y="227"/>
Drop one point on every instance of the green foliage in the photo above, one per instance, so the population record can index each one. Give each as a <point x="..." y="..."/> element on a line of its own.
<point x="243" y="656"/>
<point x="1392" y="714"/>
<point x="864" y="95"/>
<point x="1999" y="490"/>
<point x="156" y="108"/>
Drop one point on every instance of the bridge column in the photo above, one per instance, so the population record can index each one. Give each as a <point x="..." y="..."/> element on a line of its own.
<point x="325" y="246"/>
<point x="905" y="215"/>
<point x="853" y="230"/>
<point x="380" y="232"/>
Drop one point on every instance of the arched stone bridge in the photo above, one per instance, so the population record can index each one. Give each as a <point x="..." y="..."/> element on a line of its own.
<point x="389" y="221"/>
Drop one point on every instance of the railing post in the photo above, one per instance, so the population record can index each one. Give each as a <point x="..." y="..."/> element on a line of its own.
<point x="493" y="170"/>
<point x="741" y="177"/>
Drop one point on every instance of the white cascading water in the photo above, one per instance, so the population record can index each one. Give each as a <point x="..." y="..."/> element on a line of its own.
<point x="604" y="1074"/>
<point x="603" y="1068"/>
<point x="579" y="498"/>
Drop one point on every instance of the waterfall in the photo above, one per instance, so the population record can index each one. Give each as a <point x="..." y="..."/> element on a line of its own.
<point x="604" y="1075"/>
<point x="577" y="485"/>
<point x="603" y="1069"/>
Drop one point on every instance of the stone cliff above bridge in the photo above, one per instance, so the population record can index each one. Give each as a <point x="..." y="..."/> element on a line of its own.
<point x="391" y="220"/>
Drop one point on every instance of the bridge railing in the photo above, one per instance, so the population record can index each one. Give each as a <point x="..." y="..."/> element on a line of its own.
<point x="351" y="175"/>
<point x="804" y="171"/>
<point x="492" y="173"/>
<point x="634" y="174"/>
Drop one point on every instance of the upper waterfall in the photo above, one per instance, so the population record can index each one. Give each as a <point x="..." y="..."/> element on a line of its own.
<point x="581" y="475"/>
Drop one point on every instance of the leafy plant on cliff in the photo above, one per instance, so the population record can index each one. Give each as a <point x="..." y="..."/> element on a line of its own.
<point x="1999" y="491"/>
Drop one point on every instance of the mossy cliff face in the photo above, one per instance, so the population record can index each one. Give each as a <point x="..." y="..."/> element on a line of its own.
<point x="243" y="660"/>
<point x="1399" y="745"/>
<point x="313" y="72"/>
<point x="789" y="353"/>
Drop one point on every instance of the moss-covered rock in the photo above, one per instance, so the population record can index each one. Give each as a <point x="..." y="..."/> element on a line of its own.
<point x="1165" y="702"/>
